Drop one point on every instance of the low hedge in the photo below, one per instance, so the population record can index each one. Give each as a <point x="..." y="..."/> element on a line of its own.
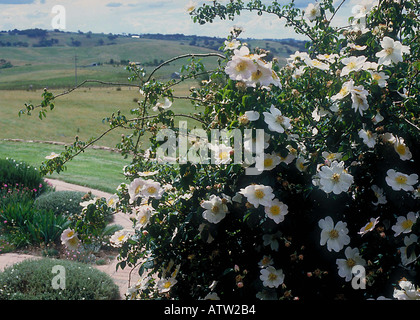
<point x="35" y="280"/>
<point x="16" y="174"/>
<point x="61" y="202"/>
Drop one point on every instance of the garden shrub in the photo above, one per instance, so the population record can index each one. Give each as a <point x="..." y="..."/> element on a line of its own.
<point x="33" y="280"/>
<point x="23" y="224"/>
<point x="326" y="207"/>
<point x="61" y="202"/>
<point x="14" y="174"/>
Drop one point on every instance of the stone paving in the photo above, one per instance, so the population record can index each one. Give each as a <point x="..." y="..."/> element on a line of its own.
<point x="120" y="277"/>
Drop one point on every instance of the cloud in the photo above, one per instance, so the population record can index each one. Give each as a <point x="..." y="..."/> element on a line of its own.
<point x="114" y="4"/>
<point x="143" y="16"/>
<point x="17" y="1"/>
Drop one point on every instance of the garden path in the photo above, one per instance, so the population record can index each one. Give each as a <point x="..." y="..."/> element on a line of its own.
<point x="121" y="277"/>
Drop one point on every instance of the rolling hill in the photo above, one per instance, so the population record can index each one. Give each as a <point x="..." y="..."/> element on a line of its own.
<point x="35" y="58"/>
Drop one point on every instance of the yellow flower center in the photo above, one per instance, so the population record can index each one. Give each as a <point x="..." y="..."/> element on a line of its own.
<point x="279" y="119"/>
<point x="302" y="166"/>
<point x="70" y="234"/>
<point x="272" y="277"/>
<point x="376" y="77"/>
<point x="335" y="177"/>
<point x="275" y="210"/>
<point x="369" y="225"/>
<point x="401" y="179"/>
<point x="256" y="75"/>
<point x="138" y="189"/>
<point x="331" y="156"/>
<point x="344" y="91"/>
<point x="121" y="238"/>
<point x="351" y="65"/>
<point x="266" y="260"/>
<point x="243" y="119"/>
<point x="268" y="162"/>
<point x="350" y="263"/>
<point x="143" y="219"/>
<point x="151" y="190"/>
<point x="259" y="194"/>
<point x="241" y="66"/>
<point x="215" y="209"/>
<point x="401" y="149"/>
<point x="223" y="155"/>
<point x="360" y="100"/>
<point x="389" y="51"/>
<point x="407" y="224"/>
<point x="167" y="285"/>
<point x="333" y="234"/>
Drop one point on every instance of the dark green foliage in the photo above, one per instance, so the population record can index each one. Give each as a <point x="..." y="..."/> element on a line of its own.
<point x="61" y="202"/>
<point x="14" y="174"/>
<point x="33" y="280"/>
<point x="23" y="224"/>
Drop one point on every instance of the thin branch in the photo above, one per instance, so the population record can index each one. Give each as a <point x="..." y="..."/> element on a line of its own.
<point x="91" y="143"/>
<point x="210" y="54"/>
<point x="89" y="81"/>
<point x="82" y="149"/>
<point x="174" y="115"/>
<point x="96" y="81"/>
<point x="336" y="10"/>
<point x="410" y="123"/>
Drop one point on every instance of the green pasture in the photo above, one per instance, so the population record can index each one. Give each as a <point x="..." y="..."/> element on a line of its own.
<point x="98" y="169"/>
<point x="54" y="67"/>
<point x="77" y="114"/>
<point x="81" y="112"/>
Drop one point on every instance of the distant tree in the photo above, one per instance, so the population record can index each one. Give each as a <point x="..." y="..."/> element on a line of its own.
<point x="76" y="43"/>
<point x="5" y="64"/>
<point x="112" y="37"/>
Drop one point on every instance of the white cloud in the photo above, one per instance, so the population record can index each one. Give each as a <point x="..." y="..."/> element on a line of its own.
<point x="141" y="16"/>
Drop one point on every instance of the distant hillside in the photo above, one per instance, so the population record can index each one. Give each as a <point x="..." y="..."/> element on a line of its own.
<point x="37" y="58"/>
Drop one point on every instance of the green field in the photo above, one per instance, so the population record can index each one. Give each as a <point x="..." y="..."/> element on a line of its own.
<point x="96" y="169"/>
<point x="54" y="67"/>
<point x="81" y="112"/>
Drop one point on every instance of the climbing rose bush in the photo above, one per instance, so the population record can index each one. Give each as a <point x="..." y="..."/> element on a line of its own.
<point x="331" y="210"/>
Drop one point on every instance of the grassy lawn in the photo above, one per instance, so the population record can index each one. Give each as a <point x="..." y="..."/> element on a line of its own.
<point x="54" y="67"/>
<point x="98" y="169"/>
<point x="79" y="113"/>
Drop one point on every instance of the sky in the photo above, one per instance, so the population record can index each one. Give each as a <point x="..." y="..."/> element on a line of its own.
<point x="144" y="16"/>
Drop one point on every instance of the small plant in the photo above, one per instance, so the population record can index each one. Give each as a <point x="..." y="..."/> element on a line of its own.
<point x="5" y="246"/>
<point x="23" y="224"/>
<point x="18" y="175"/>
<point x="61" y="202"/>
<point x="89" y="232"/>
<point x="34" y="280"/>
